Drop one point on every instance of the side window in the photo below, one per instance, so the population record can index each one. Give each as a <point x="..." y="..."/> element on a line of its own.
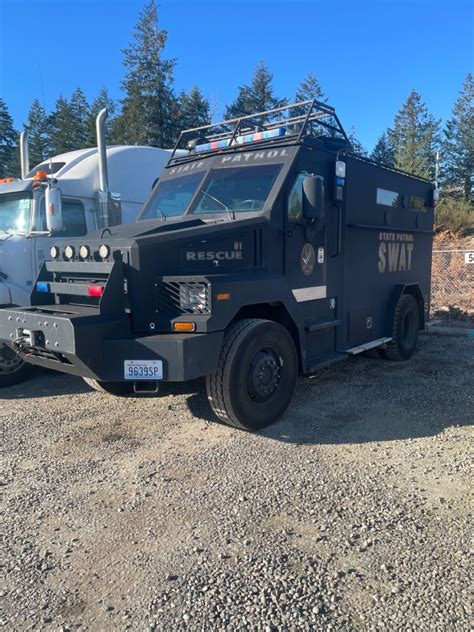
<point x="295" y="199"/>
<point x="74" y="219"/>
<point x="387" y="198"/>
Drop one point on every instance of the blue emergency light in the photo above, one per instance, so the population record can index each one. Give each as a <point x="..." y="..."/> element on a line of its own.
<point x="42" y="286"/>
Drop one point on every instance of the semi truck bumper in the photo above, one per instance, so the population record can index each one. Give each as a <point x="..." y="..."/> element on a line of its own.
<point x="98" y="346"/>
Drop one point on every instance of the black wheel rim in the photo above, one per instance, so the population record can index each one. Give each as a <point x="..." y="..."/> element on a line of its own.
<point x="10" y="362"/>
<point x="264" y="376"/>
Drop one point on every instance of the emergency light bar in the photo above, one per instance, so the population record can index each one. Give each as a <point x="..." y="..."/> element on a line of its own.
<point x="295" y="120"/>
<point x="240" y="140"/>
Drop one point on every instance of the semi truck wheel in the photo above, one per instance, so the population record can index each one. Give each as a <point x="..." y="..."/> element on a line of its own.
<point x="405" y="330"/>
<point x="12" y="368"/>
<point x="256" y="374"/>
<point x="119" y="389"/>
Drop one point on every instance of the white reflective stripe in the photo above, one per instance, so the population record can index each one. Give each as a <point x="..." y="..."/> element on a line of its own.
<point x="309" y="293"/>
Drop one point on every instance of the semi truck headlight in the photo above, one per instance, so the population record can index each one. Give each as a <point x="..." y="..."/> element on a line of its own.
<point x="104" y="251"/>
<point x="193" y="298"/>
<point x="54" y="252"/>
<point x="69" y="252"/>
<point x="84" y="252"/>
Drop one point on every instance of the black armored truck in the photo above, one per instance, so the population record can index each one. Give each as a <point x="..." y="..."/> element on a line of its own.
<point x="268" y="250"/>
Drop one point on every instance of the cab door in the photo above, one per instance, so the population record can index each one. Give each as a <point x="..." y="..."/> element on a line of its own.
<point x="306" y="260"/>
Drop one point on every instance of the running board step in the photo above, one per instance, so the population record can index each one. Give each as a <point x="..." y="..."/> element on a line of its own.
<point x="368" y="345"/>
<point x="325" y="360"/>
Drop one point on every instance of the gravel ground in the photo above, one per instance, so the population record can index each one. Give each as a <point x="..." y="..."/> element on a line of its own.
<point x="351" y="513"/>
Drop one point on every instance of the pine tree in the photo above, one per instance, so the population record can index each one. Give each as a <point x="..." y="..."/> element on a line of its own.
<point x="458" y="145"/>
<point x="256" y="97"/>
<point x="39" y="145"/>
<point x="149" y="108"/>
<point x="194" y="109"/>
<point x="415" y="137"/>
<point x="308" y="89"/>
<point x="383" y="151"/>
<point x="101" y="101"/>
<point x="79" y="117"/>
<point x="357" y="146"/>
<point x="8" y="143"/>
<point x="62" y="137"/>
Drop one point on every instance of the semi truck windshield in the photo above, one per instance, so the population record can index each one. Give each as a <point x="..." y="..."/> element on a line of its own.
<point x="15" y="213"/>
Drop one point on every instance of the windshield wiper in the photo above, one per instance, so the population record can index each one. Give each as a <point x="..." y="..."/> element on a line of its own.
<point x="231" y="216"/>
<point x="163" y="216"/>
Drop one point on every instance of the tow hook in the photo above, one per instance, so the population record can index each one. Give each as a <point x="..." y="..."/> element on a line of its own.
<point x="145" y="387"/>
<point x="29" y="338"/>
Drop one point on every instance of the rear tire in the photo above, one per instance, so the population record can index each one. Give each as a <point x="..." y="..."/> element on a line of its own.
<point x="405" y="330"/>
<point x="13" y="369"/>
<point x="119" y="389"/>
<point x="256" y="374"/>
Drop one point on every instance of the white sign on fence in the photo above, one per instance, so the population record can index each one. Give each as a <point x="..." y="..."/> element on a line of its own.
<point x="469" y="257"/>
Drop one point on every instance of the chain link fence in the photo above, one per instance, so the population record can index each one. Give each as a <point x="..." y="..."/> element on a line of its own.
<point x="452" y="282"/>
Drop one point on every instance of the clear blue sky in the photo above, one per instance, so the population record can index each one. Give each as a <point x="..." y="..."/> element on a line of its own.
<point x="367" y="55"/>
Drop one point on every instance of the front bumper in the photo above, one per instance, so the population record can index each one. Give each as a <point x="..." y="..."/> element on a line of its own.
<point x="88" y="344"/>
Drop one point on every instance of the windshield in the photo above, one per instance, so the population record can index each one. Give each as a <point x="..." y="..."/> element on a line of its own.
<point x="173" y="196"/>
<point x="15" y="212"/>
<point x="228" y="190"/>
<point x="237" y="189"/>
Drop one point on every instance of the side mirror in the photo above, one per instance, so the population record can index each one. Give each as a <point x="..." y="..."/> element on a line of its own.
<point x="313" y="198"/>
<point x="54" y="208"/>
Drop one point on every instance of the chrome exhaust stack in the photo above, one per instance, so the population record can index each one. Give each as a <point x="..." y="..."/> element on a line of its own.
<point x="24" y="155"/>
<point x="109" y="210"/>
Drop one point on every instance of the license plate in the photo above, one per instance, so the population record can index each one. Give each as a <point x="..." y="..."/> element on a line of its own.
<point x="143" y="369"/>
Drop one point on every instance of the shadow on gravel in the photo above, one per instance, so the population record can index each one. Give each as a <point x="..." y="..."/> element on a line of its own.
<point x="45" y="384"/>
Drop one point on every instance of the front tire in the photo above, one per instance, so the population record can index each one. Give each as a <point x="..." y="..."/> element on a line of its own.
<point x="405" y="330"/>
<point x="13" y="369"/>
<point x="256" y="374"/>
<point x="119" y="389"/>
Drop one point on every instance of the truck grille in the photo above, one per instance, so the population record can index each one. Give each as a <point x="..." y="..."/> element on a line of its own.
<point x="183" y="297"/>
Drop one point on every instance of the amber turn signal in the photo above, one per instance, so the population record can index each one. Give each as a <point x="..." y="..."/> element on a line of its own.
<point x="223" y="296"/>
<point x="184" y="326"/>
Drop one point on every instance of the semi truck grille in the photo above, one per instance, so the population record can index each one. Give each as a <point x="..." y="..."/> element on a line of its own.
<point x="183" y="297"/>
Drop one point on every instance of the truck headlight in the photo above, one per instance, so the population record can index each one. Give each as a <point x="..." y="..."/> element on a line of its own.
<point x="54" y="252"/>
<point x="193" y="297"/>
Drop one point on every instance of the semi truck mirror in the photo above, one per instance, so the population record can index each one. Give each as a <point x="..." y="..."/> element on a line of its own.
<point x="54" y="209"/>
<point x="313" y="198"/>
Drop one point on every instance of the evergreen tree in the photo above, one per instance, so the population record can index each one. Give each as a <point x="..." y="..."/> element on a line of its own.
<point x="415" y="137"/>
<point x="8" y="143"/>
<point x="79" y="117"/>
<point x="62" y="136"/>
<point x="383" y="151"/>
<point x="101" y="101"/>
<point x="194" y="109"/>
<point x="256" y="97"/>
<point x="357" y="146"/>
<point x="149" y="108"/>
<point x="458" y="145"/>
<point x="38" y="134"/>
<point x="310" y="88"/>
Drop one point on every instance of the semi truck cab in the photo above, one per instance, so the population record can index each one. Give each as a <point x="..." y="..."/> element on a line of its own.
<point x="268" y="251"/>
<point x="82" y="189"/>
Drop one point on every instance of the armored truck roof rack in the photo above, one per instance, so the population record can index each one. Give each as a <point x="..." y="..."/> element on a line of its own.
<point x="289" y="121"/>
